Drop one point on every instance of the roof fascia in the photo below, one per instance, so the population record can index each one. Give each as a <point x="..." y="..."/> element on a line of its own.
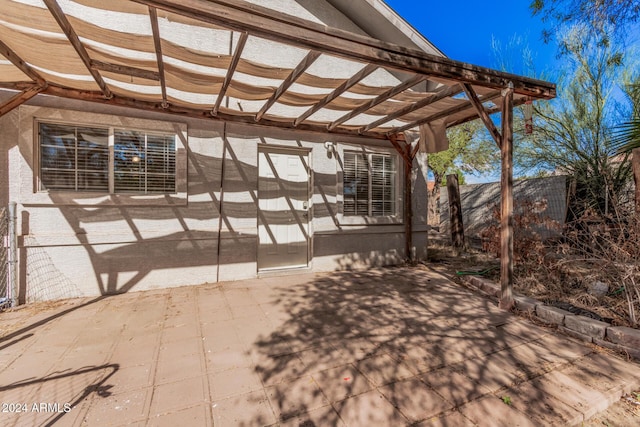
<point x="412" y="37"/>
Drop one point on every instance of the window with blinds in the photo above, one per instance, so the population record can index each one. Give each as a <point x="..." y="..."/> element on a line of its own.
<point x="143" y="162"/>
<point x="76" y="158"/>
<point x="369" y="184"/>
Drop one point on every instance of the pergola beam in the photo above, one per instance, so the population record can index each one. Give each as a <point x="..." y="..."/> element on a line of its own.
<point x="429" y="99"/>
<point x="444" y="113"/>
<point x="246" y="118"/>
<point x="378" y="100"/>
<point x="125" y="70"/>
<point x="266" y="23"/>
<point x="65" y="25"/>
<point x="19" y="99"/>
<point x="155" y="29"/>
<point x="237" y="54"/>
<point x="290" y="80"/>
<point x="484" y="116"/>
<point x="345" y="86"/>
<point x="13" y="57"/>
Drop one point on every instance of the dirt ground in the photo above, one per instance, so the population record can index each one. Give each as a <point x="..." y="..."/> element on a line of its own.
<point x="624" y="413"/>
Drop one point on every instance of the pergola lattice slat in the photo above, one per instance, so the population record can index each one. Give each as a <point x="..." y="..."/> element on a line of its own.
<point x="232" y="69"/>
<point x="73" y="38"/>
<point x="444" y="113"/>
<point x="290" y="80"/>
<point x="445" y="92"/>
<point x="13" y="57"/>
<point x="336" y="93"/>
<point x="153" y="16"/>
<point x="379" y="99"/>
<point x="263" y="22"/>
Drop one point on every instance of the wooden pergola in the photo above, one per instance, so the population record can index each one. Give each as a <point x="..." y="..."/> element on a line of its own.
<point x="169" y="59"/>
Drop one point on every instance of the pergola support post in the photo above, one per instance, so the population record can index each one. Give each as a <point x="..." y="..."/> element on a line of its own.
<point x="398" y="141"/>
<point x="408" y="210"/>
<point x="506" y="202"/>
<point x="455" y="213"/>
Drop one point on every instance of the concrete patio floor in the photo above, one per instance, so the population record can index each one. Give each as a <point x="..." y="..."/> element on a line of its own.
<point x="385" y="347"/>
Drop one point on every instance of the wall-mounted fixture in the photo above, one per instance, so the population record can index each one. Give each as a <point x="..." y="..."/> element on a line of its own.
<point x="330" y="147"/>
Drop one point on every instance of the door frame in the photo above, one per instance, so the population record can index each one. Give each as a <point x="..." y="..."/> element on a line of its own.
<point x="301" y="151"/>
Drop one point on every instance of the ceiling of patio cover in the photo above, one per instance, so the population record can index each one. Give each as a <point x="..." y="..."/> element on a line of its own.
<point x="202" y="58"/>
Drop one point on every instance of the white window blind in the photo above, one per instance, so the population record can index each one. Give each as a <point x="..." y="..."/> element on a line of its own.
<point x="144" y="163"/>
<point x="75" y="158"/>
<point x="369" y="184"/>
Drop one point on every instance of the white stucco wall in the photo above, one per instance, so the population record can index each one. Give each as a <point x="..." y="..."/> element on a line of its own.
<point x="78" y="244"/>
<point x="91" y="244"/>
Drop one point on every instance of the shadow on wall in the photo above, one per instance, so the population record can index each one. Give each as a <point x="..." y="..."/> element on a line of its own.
<point x="163" y="237"/>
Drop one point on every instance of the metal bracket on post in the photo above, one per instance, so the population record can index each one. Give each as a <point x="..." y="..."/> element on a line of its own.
<point x="13" y="255"/>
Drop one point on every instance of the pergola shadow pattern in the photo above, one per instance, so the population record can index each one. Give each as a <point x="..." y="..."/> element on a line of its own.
<point x="206" y="59"/>
<point x="396" y="346"/>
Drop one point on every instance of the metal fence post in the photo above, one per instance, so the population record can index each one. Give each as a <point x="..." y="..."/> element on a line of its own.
<point x="13" y="255"/>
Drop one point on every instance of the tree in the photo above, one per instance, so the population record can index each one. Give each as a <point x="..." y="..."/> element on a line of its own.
<point x="469" y="152"/>
<point x="627" y="134"/>
<point x="627" y="139"/>
<point x="606" y="17"/>
<point x="573" y="133"/>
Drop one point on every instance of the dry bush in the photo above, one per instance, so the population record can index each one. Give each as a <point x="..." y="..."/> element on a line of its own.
<point x="561" y="269"/>
<point x="530" y="226"/>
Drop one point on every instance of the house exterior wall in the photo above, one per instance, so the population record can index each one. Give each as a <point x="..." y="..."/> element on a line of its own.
<point x="88" y="244"/>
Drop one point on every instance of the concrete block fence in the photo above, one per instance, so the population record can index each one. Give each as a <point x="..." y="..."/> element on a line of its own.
<point x="620" y="338"/>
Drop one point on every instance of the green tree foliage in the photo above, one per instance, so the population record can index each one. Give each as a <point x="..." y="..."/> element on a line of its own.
<point x="627" y="135"/>
<point x="573" y="133"/>
<point x="604" y="17"/>
<point x="469" y="152"/>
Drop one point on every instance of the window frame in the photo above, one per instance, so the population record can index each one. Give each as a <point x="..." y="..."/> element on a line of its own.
<point x="394" y="217"/>
<point x="74" y="173"/>
<point x="111" y="130"/>
<point x="146" y="172"/>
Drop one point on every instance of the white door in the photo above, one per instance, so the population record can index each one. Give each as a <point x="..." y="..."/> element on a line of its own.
<point x="283" y="215"/>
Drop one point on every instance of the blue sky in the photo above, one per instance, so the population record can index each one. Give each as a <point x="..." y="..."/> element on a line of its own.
<point x="463" y="30"/>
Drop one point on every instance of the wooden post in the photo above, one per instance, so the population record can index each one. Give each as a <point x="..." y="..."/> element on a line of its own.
<point x="455" y="212"/>
<point x="408" y="208"/>
<point x="399" y="143"/>
<point x="506" y="203"/>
